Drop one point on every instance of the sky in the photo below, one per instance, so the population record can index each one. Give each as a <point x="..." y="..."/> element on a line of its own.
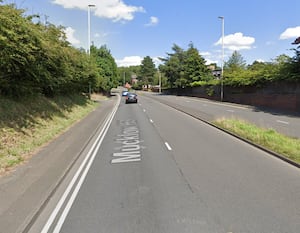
<point x="260" y="30"/>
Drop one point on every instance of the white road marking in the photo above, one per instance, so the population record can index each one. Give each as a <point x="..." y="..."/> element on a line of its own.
<point x="168" y="146"/>
<point x="151" y="120"/>
<point x="229" y="110"/>
<point x="144" y="110"/>
<point x="217" y="103"/>
<point x="130" y="144"/>
<point x="283" y="122"/>
<point x="83" y="170"/>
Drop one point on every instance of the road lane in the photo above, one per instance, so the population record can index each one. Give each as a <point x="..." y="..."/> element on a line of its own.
<point x="149" y="195"/>
<point x="211" y="110"/>
<point x="208" y="182"/>
<point x="246" y="189"/>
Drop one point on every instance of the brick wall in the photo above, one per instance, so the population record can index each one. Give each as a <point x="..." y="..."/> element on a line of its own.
<point x="280" y="95"/>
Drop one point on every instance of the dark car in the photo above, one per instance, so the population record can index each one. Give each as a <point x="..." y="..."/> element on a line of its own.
<point x="131" y="98"/>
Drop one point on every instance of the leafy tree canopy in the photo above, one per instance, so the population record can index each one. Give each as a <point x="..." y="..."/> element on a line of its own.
<point x="147" y="70"/>
<point x="235" y="63"/>
<point x="36" y="58"/>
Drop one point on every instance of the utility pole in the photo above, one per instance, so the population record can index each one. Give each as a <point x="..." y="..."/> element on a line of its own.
<point x="89" y="28"/>
<point x="222" y="64"/>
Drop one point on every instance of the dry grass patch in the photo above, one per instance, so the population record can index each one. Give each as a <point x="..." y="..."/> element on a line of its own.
<point x="25" y="125"/>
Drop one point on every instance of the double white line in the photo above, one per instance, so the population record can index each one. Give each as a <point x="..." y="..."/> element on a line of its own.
<point x="79" y="178"/>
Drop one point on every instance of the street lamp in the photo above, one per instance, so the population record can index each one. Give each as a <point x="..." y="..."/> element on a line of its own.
<point x="89" y="29"/>
<point x="222" y="64"/>
<point x="159" y="78"/>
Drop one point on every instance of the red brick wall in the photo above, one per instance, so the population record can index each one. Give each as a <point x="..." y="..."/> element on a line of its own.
<point x="280" y="95"/>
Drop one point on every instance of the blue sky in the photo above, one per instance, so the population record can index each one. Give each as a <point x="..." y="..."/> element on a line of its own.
<point x="132" y="29"/>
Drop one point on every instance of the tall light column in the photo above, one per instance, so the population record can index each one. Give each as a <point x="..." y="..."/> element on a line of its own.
<point x="159" y="77"/>
<point x="89" y="28"/>
<point x="222" y="64"/>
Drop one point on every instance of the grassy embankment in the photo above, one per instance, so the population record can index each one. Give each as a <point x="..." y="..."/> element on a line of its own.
<point x="268" y="138"/>
<point x="27" y="124"/>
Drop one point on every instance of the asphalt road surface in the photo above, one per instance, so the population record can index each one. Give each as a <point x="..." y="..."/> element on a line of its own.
<point x="284" y="122"/>
<point x="152" y="168"/>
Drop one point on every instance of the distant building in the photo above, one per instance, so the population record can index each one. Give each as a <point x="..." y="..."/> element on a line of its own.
<point x="215" y="70"/>
<point x="134" y="79"/>
<point x="217" y="73"/>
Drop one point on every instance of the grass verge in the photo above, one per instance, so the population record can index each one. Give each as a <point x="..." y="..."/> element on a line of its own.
<point x="27" y="124"/>
<point x="268" y="138"/>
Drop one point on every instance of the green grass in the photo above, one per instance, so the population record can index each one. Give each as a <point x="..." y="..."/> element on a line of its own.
<point x="27" y="124"/>
<point x="268" y="138"/>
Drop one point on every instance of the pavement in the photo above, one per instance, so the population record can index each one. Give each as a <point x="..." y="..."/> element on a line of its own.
<point x="25" y="191"/>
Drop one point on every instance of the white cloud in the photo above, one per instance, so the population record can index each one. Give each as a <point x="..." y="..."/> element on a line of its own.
<point x="237" y="41"/>
<point x="290" y="33"/>
<point x="209" y="61"/>
<point x="130" y="61"/>
<point x="116" y="10"/>
<point x="136" y="61"/>
<point x="208" y="56"/>
<point x="153" y="21"/>
<point x="157" y="61"/>
<point x="205" y="54"/>
<point x="70" y="36"/>
<point x="260" y="60"/>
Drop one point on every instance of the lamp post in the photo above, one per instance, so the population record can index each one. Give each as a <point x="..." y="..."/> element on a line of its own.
<point x="159" y="77"/>
<point x="89" y="42"/>
<point x="222" y="64"/>
<point x="89" y="28"/>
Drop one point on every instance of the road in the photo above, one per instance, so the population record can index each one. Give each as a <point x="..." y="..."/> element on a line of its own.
<point x="152" y="168"/>
<point x="286" y="123"/>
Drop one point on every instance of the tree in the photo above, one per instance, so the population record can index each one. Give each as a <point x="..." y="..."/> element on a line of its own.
<point x="235" y="63"/>
<point x="295" y="66"/>
<point x="147" y="70"/>
<point x="107" y="68"/>
<point x="36" y="58"/>
<point x="19" y="42"/>
<point x="173" y="66"/>
<point x="195" y="68"/>
<point x="125" y="74"/>
<point x="183" y="67"/>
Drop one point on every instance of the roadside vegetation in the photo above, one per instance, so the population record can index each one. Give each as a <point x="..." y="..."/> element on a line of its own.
<point x="187" y="68"/>
<point x="36" y="58"/>
<point x="29" y="123"/>
<point x="44" y="82"/>
<point x="268" y="138"/>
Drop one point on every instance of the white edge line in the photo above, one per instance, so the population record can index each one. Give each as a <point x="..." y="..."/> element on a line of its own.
<point x="168" y="146"/>
<point x="82" y="178"/>
<point x="283" y="122"/>
<point x="71" y="184"/>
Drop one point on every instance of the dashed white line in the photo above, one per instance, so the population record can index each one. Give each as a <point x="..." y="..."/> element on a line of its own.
<point x="144" y="110"/>
<point x="283" y="122"/>
<point x="229" y="110"/>
<point x="168" y="146"/>
<point x="151" y="120"/>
